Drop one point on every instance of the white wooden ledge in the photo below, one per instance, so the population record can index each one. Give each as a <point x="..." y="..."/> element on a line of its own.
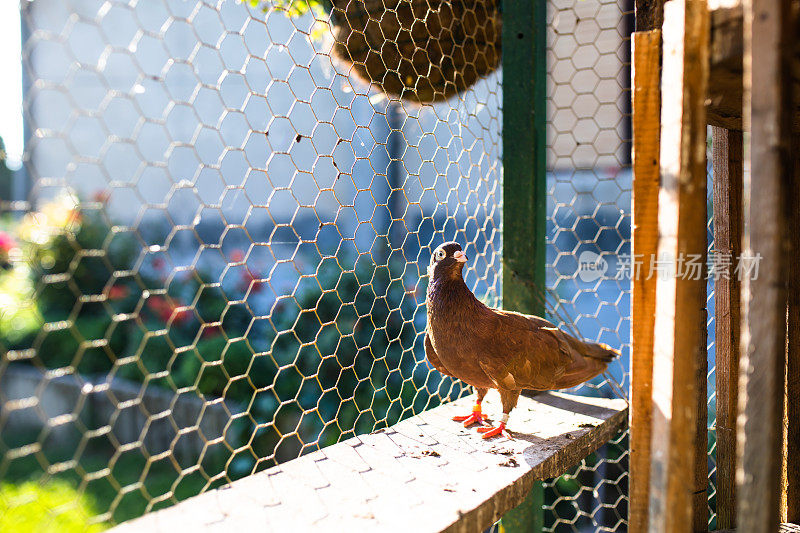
<point x="425" y="474"/>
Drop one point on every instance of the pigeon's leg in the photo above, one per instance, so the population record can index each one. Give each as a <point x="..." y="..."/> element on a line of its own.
<point x="476" y="417"/>
<point x="509" y="399"/>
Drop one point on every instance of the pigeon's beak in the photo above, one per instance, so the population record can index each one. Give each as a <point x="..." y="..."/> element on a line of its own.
<point x="460" y="256"/>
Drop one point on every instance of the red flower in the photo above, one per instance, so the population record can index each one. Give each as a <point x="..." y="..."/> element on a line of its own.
<point x="157" y="304"/>
<point x="181" y="316"/>
<point x="237" y="256"/>
<point x="246" y="280"/>
<point x="7" y="243"/>
<point x="118" y="292"/>
<point x="165" y="311"/>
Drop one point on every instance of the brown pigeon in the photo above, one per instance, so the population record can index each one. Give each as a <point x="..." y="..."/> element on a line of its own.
<point x="495" y="349"/>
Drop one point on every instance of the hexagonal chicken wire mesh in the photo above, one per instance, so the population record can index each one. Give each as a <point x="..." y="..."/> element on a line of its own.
<point x="589" y="201"/>
<point x="214" y="253"/>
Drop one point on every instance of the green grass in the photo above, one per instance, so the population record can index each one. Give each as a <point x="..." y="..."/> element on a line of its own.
<point x="55" y="506"/>
<point x="30" y="500"/>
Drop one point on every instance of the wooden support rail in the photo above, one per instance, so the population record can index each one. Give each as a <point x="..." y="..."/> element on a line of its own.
<point x="709" y="78"/>
<point x="769" y="52"/>
<point x="727" y="146"/>
<point x="678" y="473"/>
<point x="425" y="474"/>
<point x="646" y="134"/>
<point x="724" y="102"/>
<point x="790" y="483"/>
<point x="783" y="528"/>
<point x="790" y="486"/>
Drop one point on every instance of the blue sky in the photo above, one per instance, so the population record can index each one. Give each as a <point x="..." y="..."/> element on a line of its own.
<point x="10" y="82"/>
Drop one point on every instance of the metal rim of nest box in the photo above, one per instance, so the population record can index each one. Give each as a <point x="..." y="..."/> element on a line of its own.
<point x="422" y="51"/>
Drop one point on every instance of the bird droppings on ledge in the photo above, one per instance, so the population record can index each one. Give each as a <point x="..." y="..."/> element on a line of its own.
<point x="423" y="453"/>
<point x="501" y="451"/>
<point x="511" y="462"/>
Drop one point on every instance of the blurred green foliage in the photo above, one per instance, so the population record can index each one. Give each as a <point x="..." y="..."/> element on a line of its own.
<point x="335" y="357"/>
<point x="32" y="507"/>
<point x="19" y="315"/>
<point x="29" y="495"/>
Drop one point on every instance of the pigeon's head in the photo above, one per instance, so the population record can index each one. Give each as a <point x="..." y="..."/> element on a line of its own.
<point x="447" y="261"/>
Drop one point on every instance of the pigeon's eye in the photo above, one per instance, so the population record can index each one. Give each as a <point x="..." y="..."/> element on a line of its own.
<point x="439" y="255"/>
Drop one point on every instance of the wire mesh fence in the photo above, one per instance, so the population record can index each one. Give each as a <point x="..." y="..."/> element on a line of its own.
<point x="589" y="200"/>
<point x="214" y="253"/>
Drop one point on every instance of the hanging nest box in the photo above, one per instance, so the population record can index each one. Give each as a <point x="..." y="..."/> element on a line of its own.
<point x="422" y="51"/>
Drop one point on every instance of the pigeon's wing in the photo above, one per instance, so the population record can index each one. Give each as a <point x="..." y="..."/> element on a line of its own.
<point x="430" y="353"/>
<point x="521" y="321"/>
<point x="522" y="353"/>
<point x="529" y="352"/>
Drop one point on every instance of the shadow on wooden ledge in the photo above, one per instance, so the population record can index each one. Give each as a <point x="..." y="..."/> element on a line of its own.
<point x="426" y="473"/>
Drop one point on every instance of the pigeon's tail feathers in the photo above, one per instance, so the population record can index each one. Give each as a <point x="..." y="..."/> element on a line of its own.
<point x="591" y="350"/>
<point x="602" y="352"/>
<point x="583" y="370"/>
<point x="593" y="360"/>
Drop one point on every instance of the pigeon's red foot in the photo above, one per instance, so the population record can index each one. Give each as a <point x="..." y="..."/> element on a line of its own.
<point x="475" y="418"/>
<point x="489" y="432"/>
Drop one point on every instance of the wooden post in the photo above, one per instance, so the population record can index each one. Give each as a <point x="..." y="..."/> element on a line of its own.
<point x="649" y="14"/>
<point x="678" y="476"/>
<point x="646" y="135"/>
<point x="726" y="147"/>
<point x="790" y="475"/>
<point x="524" y="188"/>
<point x="524" y="143"/>
<point x="768" y="52"/>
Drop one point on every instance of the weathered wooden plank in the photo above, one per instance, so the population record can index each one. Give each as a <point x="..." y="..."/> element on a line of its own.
<point x="783" y="528"/>
<point x="724" y="103"/>
<point x="678" y="467"/>
<point x="649" y="14"/>
<point x="768" y="53"/>
<point x="790" y="494"/>
<point x="646" y="135"/>
<point x="726" y="148"/>
<point x="426" y="473"/>
<point x="790" y="486"/>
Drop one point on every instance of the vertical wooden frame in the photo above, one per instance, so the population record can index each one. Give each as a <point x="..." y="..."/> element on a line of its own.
<point x="524" y="163"/>
<point x="646" y="146"/>
<point x="790" y="486"/>
<point x="727" y="164"/>
<point x="678" y="475"/>
<point x="768" y="110"/>
<point x="524" y="187"/>
<point x="790" y="475"/>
